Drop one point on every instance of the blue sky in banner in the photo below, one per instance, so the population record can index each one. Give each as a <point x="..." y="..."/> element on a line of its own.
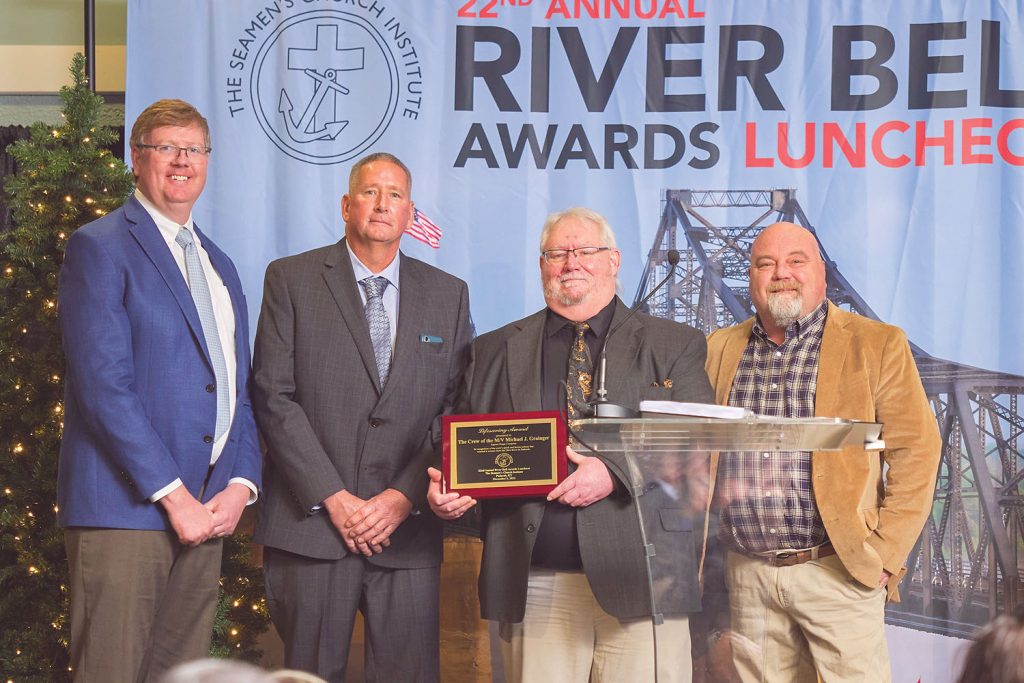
<point x="922" y="211"/>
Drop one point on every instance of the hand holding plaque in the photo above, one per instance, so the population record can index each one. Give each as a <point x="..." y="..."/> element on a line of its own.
<point x="503" y="455"/>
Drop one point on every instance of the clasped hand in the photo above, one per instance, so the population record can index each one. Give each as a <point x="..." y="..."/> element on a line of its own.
<point x="366" y="526"/>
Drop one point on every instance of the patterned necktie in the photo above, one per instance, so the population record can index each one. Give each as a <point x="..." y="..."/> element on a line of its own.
<point x="380" y="326"/>
<point x="204" y="307"/>
<point x="578" y="382"/>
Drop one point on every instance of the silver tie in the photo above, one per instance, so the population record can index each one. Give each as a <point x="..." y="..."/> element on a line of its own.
<point x="380" y="326"/>
<point x="204" y="307"/>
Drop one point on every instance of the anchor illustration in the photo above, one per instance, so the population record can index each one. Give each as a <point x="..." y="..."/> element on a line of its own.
<point x="310" y="125"/>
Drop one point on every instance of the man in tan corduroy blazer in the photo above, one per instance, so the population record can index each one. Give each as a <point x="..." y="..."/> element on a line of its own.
<point x="801" y="611"/>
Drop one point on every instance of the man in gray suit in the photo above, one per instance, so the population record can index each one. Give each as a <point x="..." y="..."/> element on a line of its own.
<point x="350" y="426"/>
<point x="565" y="577"/>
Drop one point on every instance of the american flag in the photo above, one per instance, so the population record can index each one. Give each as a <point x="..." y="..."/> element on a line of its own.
<point x="424" y="230"/>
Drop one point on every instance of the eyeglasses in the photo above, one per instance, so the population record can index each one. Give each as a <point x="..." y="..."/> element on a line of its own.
<point x="172" y="151"/>
<point x="581" y="254"/>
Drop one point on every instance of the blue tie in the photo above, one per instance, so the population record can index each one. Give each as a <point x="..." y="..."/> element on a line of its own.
<point x="380" y="326"/>
<point x="204" y="307"/>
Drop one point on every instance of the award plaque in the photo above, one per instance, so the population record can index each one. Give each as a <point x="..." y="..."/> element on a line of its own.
<point x="503" y="455"/>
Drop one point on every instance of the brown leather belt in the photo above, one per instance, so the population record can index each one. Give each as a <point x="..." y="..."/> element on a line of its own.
<point x="788" y="558"/>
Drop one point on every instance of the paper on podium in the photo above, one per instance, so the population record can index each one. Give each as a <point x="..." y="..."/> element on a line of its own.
<point x="694" y="409"/>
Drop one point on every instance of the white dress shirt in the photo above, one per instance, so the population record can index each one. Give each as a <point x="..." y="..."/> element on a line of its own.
<point x="390" y="296"/>
<point x="222" y="312"/>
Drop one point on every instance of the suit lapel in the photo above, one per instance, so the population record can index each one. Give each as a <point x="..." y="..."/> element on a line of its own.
<point x="523" y="351"/>
<point x="145" y="232"/>
<point x="341" y="282"/>
<point x="622" y="348"/>
<point x="735" y="344"/>
<point x="831" y="358"/>
<point x="413" y="300"/>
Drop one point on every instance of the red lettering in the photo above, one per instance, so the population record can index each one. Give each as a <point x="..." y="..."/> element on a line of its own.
<point x="970" y="140"/>
<point x="647" y="15"/>
<point x="922" y="140"/>
<point x="879" y="152"/>
<point x="672" y="7"/>
<point x="754" y="161"/>
<point x="783" y="146"/>
<point x="832" y="136"/>
<point x="1002" y="142"/>
<point x="557" y="7"/>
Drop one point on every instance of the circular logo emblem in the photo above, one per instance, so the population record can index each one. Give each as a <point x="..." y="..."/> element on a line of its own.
<point x="503" y="460"/>
<point x="325" y="86"/>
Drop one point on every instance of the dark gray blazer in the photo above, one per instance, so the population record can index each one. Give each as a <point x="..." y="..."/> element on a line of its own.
<point x="648" y="358"/>
<point x="325" y="421"/>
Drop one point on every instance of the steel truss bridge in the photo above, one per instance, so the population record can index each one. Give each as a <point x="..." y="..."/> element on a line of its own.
<point x="966" y="566"/>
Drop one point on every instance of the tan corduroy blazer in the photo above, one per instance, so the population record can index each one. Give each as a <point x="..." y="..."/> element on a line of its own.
<point x="873" y="504"/>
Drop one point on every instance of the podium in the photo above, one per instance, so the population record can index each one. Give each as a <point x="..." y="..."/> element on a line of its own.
<point x="663" y="460"/>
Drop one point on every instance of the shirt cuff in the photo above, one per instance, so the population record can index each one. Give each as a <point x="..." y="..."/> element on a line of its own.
<point x="165" y="490"/>
<point x="253" y="491"/>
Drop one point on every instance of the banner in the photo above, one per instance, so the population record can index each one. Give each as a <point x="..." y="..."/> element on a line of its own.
<point x="900" y="127"/>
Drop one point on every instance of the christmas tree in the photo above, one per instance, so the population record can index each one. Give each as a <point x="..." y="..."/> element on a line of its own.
<point x="66" y="178"/>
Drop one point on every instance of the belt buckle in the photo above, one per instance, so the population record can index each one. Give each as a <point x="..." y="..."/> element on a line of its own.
<point x="783" y="555"/>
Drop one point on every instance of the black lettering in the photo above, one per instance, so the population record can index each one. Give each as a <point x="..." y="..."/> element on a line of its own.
<point x="540" y="69"/>
<point x="476" y="146"/>
<point x="675" y="136"/>
<point x="597" y="91"/>
<point x="845" y="67"/>
<point x="698" y="141"/>
<point x="527" y="135"/>
<point x="468" y="69"/>
<point x="731" y="67"/>
<point x="991" y="94"/>
<point x="659" y="68"/>
<point x="569" y="151"/>
<point x="922" y="66"/>
<point x="614" y="144"/>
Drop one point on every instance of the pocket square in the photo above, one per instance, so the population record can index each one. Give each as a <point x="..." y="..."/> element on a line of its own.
<point x="664" y="384"/>
<point x="430" y="339"/>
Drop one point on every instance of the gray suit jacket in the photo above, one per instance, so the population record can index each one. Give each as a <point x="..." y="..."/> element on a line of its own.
<point x="648" y="358"/>
<point x="327" y="424"/>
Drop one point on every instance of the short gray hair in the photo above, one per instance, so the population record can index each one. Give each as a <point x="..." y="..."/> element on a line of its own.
<point x="584" y="214"/>
<point x="378" y="156"/>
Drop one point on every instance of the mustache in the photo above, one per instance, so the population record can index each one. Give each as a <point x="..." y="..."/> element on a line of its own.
<point x="784" y="285"/>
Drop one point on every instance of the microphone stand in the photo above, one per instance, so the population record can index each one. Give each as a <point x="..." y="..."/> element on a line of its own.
<point x="601" y="405"/>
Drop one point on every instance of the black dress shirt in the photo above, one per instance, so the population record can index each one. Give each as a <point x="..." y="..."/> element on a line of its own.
<point x="557" y="545"/>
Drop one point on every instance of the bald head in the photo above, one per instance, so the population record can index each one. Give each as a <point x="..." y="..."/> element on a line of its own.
<point x="787" y="275"/>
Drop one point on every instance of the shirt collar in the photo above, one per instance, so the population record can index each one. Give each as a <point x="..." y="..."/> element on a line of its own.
<point x="361" y="272"/>
<point x="168" y="228"/>
<point x="599" y="323"/>
<point x="812" y="323"/>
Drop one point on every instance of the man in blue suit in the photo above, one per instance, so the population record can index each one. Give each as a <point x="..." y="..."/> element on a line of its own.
<point x="160" y="452"/>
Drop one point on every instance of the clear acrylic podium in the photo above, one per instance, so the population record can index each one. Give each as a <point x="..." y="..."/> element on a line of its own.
<point x="663" y="460"/>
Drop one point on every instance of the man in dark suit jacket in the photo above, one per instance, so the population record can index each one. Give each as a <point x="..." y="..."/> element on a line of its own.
<point x="350" y="428"/>
<point x="566" y="577"/>
<point x="160" y="453"/>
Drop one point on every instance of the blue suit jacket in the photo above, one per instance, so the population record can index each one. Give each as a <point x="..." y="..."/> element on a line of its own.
<point x="138" y="411"/>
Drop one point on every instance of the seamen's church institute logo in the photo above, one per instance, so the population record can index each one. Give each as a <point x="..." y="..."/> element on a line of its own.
<point x="324" y="85"/>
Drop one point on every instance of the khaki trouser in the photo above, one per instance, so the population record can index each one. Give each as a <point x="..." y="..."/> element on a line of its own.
<point x="567" y="637"/>
<point x="791" y="623"/>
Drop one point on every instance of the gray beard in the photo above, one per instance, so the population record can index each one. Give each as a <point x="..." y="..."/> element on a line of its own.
<point x="785" y="308"/>
<point x="553" y="292"/>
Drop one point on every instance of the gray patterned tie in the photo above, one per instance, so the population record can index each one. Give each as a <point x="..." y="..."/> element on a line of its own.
<point x="380" y="326"/>
<point x="204" y="307"/>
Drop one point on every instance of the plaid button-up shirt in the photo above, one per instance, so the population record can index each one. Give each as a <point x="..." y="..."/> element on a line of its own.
<point x="768" y="500"/>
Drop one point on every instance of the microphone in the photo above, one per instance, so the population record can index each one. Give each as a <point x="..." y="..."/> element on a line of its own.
<point x="602" y="407"/>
